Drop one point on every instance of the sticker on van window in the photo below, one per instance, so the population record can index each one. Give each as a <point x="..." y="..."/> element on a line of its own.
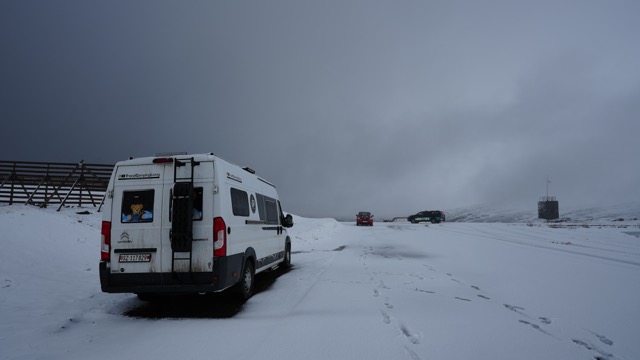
<point x="137" y="206"/>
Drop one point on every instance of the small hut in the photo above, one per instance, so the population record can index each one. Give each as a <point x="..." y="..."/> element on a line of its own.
<point x="548" y="208"/>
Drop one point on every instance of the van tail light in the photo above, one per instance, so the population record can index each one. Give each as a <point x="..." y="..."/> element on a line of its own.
<point x="105" y="242"/>
<point x="162" y="160"/>
<point x="219" y="237"/>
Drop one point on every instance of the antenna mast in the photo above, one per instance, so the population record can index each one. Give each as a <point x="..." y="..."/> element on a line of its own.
<point x="548" y="187"/>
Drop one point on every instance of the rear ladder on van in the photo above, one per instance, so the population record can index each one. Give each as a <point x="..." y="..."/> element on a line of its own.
<point x="182" y="213"/>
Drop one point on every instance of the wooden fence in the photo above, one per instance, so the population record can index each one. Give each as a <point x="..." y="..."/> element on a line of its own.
<point x="43" y="184"/>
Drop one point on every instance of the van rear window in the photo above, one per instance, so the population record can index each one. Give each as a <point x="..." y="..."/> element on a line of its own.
<point x="137" y="206"/>
<point x="196" y="199"/>
<point x="197" y="203"/>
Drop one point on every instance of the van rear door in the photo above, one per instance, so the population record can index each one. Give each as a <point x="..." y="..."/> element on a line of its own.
<point x="137" y="215"/>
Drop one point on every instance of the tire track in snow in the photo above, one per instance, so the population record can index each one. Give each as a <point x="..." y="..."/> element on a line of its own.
<point x="496" y="236"/>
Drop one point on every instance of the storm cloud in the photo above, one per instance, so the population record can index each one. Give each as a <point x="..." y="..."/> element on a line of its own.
<point x="385" y="106"/>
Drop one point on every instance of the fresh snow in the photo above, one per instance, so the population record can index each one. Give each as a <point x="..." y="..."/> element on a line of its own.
<point x="390" y="291"/>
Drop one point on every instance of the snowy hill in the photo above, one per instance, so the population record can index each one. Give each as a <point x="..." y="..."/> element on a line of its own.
<point x="628" y="213"/>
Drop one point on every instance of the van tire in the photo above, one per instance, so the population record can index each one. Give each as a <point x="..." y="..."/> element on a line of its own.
<point x="286" y="264"/>
<point x="244" y="287"/>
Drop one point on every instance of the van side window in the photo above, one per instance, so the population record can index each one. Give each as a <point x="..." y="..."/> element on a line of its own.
<point x="137" y="206"/>
<point x="267" y="209"/>
<point x="280" y="213"/>
<point x="262" y="212"/>
<point x="272" y="211"/>
<point x="239" y="202"/>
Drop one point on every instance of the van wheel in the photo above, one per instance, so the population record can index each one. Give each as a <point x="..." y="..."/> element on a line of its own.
<point x="244" y="288"/>
<point x="286" y="264"/>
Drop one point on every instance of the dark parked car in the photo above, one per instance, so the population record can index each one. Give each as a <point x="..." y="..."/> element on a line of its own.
<point x="433" y="216"/>
<point x="364" y="218"/>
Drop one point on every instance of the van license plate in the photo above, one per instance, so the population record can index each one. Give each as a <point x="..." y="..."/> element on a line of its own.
<point x="134" y="258"/>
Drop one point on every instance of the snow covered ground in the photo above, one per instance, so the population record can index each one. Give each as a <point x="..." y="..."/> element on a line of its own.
<point x="391" y="291"/>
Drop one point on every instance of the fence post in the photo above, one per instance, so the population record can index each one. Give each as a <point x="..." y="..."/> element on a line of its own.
<point x="82" y="182"/>
<point x="12" y="176"/>
<point x="46" y="188"/>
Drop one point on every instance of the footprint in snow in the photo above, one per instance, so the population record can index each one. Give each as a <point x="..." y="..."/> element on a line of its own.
<point x="383" y="285"/>
<point x="426" y="291"/>
<point x="537" y="327"/>
<point x="603" y="339"/>
<point x="385" y="317"/>
<point x="429" y="267"/>
<point x="412" y="354"/>
<point x="545" y="320"/>
<point x="405" y="331"/>
<point x="462" y="299"/>
<point x="603" y="355"/>
<point x="516" y="309"/>
<point x="388" y="304"/>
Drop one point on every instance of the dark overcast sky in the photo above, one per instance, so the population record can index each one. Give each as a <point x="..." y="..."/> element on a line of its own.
<point x="386" y="106"/>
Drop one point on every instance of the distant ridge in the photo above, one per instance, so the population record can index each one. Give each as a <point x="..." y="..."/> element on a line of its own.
<point x="488" y="213"/>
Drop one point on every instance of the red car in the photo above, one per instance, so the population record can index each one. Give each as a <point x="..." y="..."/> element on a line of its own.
<point x="364" y="218"/>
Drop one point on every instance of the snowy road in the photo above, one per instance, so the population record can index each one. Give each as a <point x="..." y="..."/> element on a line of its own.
<point x="391" y="291"/>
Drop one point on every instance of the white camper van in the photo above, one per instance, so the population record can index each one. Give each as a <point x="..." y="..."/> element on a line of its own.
<point x="189" y="224"/>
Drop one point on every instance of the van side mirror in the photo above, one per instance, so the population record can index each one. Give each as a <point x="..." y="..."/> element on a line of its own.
<point x="287" y="221"/>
